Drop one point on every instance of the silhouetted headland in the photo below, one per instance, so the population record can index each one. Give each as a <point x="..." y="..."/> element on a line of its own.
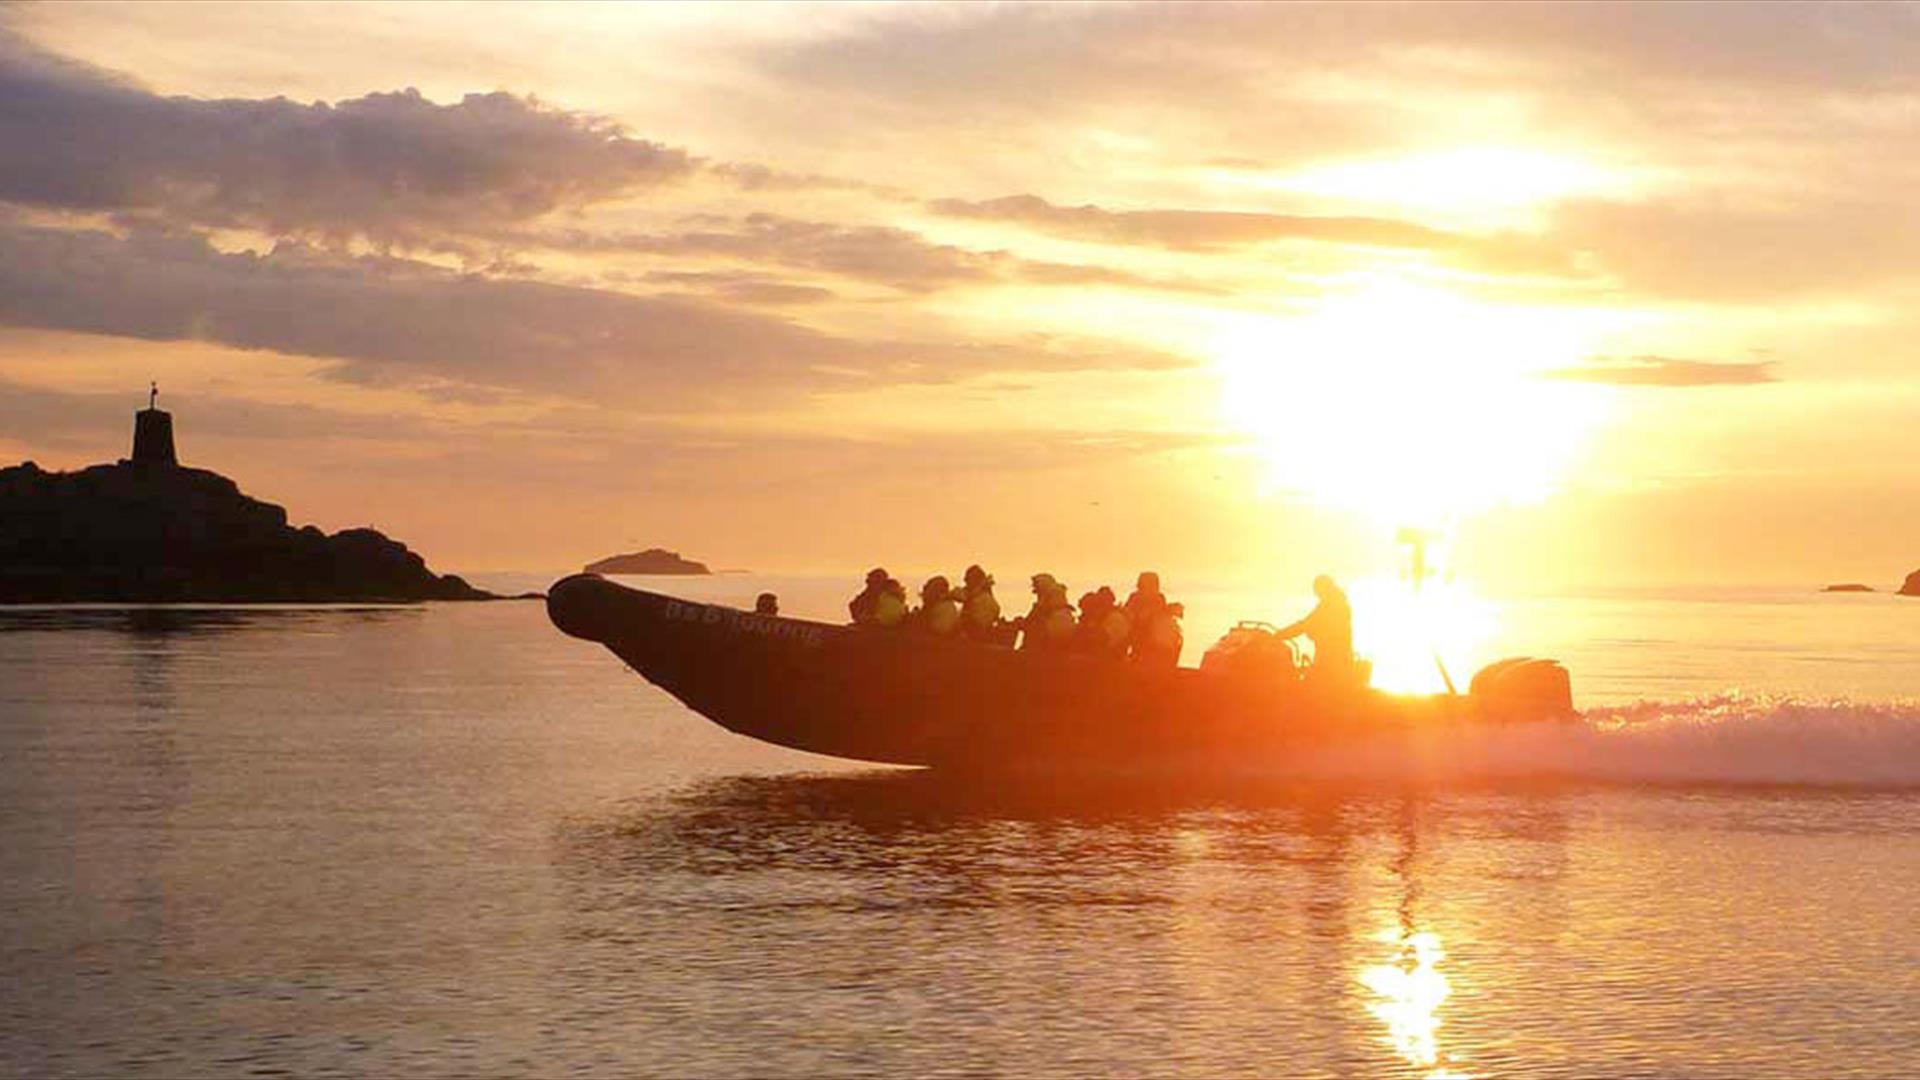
<point x="149" y="530"/>
<point x="1851" y="586"/>
<point x="1911" y="587"/>
<point x="650" y="561"/>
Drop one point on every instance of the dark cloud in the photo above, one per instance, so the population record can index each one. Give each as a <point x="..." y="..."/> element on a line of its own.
<point x="1665" y="371"/>
<point x="394" y="320"/>
<point x="391" y="166"/>
<point x="877" y="254"/>
<point x="1191" y="229"/>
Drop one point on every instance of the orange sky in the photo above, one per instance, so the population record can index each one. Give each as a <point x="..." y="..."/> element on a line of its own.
<point x="1621" y="294"/>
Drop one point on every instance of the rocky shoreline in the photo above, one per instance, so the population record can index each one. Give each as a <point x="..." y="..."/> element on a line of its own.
<point x="156" y="532"/>
<point x="150" y="530"/>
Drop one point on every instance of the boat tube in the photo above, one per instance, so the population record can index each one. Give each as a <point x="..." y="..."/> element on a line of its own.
<point x="896" y="697"/>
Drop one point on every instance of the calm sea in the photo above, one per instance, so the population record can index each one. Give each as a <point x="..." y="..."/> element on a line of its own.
<point x="446" y="840"/>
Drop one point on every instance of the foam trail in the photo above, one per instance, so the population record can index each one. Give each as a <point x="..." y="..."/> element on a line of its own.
<point x="1732" y="739"/>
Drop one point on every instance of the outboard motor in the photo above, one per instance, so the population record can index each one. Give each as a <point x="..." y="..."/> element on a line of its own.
<point x="1522" y="688"/>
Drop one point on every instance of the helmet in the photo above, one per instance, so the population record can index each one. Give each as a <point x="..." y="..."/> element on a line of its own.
<point x="1148" y="582"/>
<point x="936" y="588"/>
<point x="975" y="575"/>
<point x="876" y="576"/>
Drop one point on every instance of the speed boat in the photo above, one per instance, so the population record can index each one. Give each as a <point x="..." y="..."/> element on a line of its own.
<point x="896" y="697"/>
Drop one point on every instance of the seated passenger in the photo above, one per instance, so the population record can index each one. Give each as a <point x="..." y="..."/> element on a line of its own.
<point x="890" y="607"/>
<point x="1114" y="624"/>
<point x="1103" y="626"/>
<point x="1049" y="624"/>
<point x="1145" y="608"/>
<point x="861" y="607"/>
<point x="1160" y="644"/>
<point x="766" y="604"/>
<point x="979" y="611"/>
<point x="1330" y="627"/>
<point x="939" y="612"/>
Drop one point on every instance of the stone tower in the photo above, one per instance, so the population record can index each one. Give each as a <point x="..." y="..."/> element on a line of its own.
<point x="153" y="434"/>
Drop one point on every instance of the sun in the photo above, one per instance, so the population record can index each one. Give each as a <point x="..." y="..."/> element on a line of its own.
<point x="1408" y="403"/>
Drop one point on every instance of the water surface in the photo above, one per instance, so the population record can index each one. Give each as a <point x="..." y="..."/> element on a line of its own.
<point x="447" y="840"/>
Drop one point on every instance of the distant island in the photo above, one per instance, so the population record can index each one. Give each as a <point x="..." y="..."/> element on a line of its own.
<point x="650" y="561"/>
<point x="1851" y="586"/>
<point x="149" y="530"/>
<point x="1912" y="585"/>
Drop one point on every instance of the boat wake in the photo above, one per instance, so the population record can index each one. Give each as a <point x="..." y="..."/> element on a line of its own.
<point x="1726" y="739"/>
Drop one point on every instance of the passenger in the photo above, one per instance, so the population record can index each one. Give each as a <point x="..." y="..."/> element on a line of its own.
<point x="1160" y="644"/>
<point x="1330" y="627"/>
<point x="1114" y="624"/>
<point x="1146" y="606"/>
<point x="890" y="607"/>
<point x="939" y="612"/>
<point x="766" y="604"/>
<point x="1049" y="625"/>
<point x="1103" y="626"/>
<point x="979" y="611"/>
<point x="862" y="606"/>
<point x="1086" y="635"/>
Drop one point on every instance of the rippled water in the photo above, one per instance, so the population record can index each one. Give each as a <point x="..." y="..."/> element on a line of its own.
<point x="447" y="840"/>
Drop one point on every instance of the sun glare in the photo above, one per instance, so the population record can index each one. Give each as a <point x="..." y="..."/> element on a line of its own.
<point x="1408" y="403"/>
<point x="1408" y="993"/>
<point x="1483" y="184"/>
<point x="1408" y="634"/>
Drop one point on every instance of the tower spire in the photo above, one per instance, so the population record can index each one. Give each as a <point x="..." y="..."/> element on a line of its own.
<point x="153" y="433"/>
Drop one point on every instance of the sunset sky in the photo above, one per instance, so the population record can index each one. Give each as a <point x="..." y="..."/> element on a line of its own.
<point x="1621" y="294"/>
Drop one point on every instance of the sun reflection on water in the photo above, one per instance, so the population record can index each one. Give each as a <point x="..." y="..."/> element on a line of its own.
<point x="1409" y="991"/>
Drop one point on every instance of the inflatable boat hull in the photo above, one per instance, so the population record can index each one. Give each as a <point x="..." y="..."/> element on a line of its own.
<point x="894" y="697"/>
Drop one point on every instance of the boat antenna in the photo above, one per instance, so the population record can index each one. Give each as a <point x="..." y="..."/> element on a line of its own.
<point x="1416" y="539"/>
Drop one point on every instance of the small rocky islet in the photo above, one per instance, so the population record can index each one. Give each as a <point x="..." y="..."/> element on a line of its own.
<point x="149" y="530"/>
<point x="650" y="561"/>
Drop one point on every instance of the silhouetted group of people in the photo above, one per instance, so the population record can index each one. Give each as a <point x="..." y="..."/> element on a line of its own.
<point x="1145" y="628"/>
<point x="969" y="611"/>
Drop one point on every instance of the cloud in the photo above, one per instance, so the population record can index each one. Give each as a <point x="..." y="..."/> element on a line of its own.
<point x="744" y="288"/>
<point x="391" y="166"/>
<point x="390" y="320"/>
<point x="878" y="254"/>
<point x="1662" y="371"/>
<point x="1712" y="248"/>
<point x="1209" y="231"/>
<point x="1190" y="229"/>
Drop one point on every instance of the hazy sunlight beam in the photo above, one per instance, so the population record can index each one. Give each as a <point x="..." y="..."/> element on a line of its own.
<point x="1485" y="185"/>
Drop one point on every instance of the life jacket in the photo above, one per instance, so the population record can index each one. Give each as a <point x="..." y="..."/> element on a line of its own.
<point x="1114" y="630"/>
<point x="888" y="610"/>
<point x="1143" y="608"/>
<point x="1161" y="641"/>
<point x="940" y="617"/>
<point x="980" y="611"/>
<point x="1049" y="624"/>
